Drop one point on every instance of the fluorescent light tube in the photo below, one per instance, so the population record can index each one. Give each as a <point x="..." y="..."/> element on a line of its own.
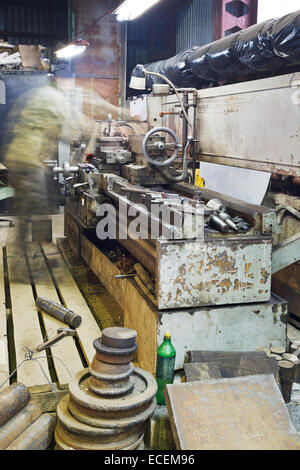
<point x="132" y="9"/>
<point x="71" y="50"/>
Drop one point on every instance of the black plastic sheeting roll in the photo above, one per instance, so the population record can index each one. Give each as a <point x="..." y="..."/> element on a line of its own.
<point x="250" y="53"/>
<point x="175" y="69"/>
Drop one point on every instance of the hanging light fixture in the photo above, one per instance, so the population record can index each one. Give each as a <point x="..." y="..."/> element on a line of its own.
<point x="72" y="49"/>
<point x="132" y="9"/>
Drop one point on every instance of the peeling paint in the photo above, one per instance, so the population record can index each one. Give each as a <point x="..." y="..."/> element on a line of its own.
<point x="218" y="271"/>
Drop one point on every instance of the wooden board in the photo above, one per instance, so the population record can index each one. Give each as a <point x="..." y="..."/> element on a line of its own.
<point x="72" y="230"/>
<point x="71" y="295"/>
<point x="139" y="312"/>
<point x="27" y="332"/>
<point x="141" y="315"/>
<point x="64" y="350"/>
<point x="29" y="276"/>
<point x="4" y="367"/>
<point x="243" y="413"/>
<point x="44" y="397"/>
<point x="104" y="269"/>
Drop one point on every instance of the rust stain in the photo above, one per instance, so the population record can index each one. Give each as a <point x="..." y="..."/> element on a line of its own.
<point x="230" y="110"/>
<point x="201" y="264"/>
<point x="191" y="268"/>
<point x="247" y="267"/>
<point x="180" y="279"/>
<point x="265" y="276"/>
<point x="225" y="285"/>
<point x="178" y="293"/>
<point x="242" y="285"/>
<point x="224" y="263"/>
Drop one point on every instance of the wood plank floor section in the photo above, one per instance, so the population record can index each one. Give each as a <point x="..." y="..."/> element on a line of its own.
<point x="65" y="350"/>
<point x="4" y="366"/>
<point x="27" y="331"/>
<point x="88" y="330"/>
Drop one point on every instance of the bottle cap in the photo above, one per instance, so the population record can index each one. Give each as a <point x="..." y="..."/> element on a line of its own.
<point x="167" y="335"/>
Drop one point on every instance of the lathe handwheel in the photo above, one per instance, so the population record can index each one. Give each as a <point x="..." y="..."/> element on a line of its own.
<point x="164" y="146"/>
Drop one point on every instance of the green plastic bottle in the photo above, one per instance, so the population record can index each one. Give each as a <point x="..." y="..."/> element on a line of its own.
<point x="165" y="367"/>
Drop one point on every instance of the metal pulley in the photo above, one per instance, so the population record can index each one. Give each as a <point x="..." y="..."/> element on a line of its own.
<point x="109" y="404"/>
<point x="160" y="146"/>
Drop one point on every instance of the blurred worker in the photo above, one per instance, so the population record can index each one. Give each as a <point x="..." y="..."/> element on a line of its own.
<point x="40" y="117"/>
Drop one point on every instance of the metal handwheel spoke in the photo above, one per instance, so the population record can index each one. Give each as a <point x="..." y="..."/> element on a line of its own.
<point x="161" y="146"/>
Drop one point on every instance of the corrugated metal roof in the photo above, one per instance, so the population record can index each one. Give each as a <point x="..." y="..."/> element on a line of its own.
<point x="34" y="21"/>
<point x="194" y="24"/>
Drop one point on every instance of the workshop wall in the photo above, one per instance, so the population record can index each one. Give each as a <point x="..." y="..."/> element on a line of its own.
<point x="152" y="36"/>
<point x="189" y="17"/>
<point x="34" y="21"/>
<point x="101" y="69"/>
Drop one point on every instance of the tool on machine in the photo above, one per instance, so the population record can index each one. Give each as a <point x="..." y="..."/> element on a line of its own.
<point x="61" y="333"/>
<point x="218" y="224"/>
<point x="142" y="274"/>
<point x="124" y="276"/>
<point x="59" y="312"/>
<point x="222" y="221"/>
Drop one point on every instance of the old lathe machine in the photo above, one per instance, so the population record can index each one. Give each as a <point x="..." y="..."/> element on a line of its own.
<point x="175" y="255"/>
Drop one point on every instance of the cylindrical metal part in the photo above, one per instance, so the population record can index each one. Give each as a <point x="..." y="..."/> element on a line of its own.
<point x="37" y="437"/>
<point x="294" y="360"/>
<point x="58" y="311"/>
<point x="228" y="220"/>
<point x="295" y="345"/>
<point x="109" y="404"/>
<point x="18" y="423"/>
<point x="218" y="224"/>
<point x="12" y="399"/>
<point x="277" y="350"/>
<point x="277" y="357"/>
<point x="286" y="378"/>
<point x="295" y="350"/>
<point x="216" y="205"/>
<point x="116" y="348"/>
<point x="290" y="357"/>
<point x="121" y="160"/>
<point x="120" y="338"/>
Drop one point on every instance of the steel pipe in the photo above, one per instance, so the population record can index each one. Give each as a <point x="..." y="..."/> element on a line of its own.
<point x="37" y="437"/>
<point x="18" y="424"/>
<point x="12" y="399"/>
<point x="59" y="312"/>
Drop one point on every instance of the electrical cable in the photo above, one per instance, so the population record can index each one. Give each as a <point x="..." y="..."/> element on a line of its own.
<point x="100" y="18"/>
<point x="156" y="74"/>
